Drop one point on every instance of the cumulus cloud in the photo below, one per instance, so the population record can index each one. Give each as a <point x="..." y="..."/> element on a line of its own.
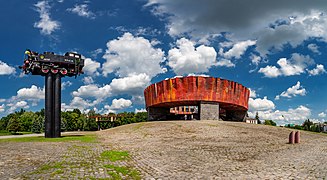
<point x="5" y="69"/>
<point x="255" y="59"/>
<point x="140" y="110"/>
<point x="187" y="58"/>
<point x="129" y="55"/>
<point x="133" y="84"/>
<point x="88" y="80"/>
<point x="322" y="115"/>
<point x="253" y="93"/>
<point x="82" y="10"/>
<point x="318" y="70"/>
<point x="259" y="104"/>
<point x="226" y="63"/>
<point x="120" y="103"/>
<point x="314" y="48"/>
<point x="296" y="65"/>
<point x="237" y="50"/>
<point x="2" y="108"/>
<point x="293" y="91"/>
<point x="17" y="105"/>
<point x="33" y="93"/>
<point x="273" y="24"/>
<point x="46" y="24"/>
<point x="65" y="84"/>
<point x="79" y="103"/>
<point x="92" y="90"/>
<point x="91" y="67"/>
<point x="296" y="116"/>
<point x="96" y="52"/>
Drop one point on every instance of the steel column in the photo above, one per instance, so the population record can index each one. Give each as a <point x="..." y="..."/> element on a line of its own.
<point x="57" y="105"/>
<point x="49" y="105"/>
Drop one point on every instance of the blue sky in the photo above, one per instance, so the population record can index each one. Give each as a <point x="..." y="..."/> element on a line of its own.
<point x="275" y="48"/>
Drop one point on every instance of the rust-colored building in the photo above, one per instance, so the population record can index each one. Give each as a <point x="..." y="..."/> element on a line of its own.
<point x="215" y="98"/>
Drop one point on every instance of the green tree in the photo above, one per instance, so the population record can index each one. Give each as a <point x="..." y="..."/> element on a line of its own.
<point x="13" y="125"/>
<point x="26" y="120"/>
<point x="257" y="117"/>
<point x="307" y="124"/>
<point x="38" y="124"/>
<point x="270" y="122"/>
<point x="90" y="124"/>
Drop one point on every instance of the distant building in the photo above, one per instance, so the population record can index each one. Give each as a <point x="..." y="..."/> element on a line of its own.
<point x="251" y="121"/>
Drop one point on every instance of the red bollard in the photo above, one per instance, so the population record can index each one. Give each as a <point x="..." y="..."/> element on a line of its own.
<point x="291" y="138"/>
<point x="297" y="137"/>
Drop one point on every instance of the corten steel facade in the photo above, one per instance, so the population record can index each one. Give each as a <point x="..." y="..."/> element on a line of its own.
<point x="213" y="96"/>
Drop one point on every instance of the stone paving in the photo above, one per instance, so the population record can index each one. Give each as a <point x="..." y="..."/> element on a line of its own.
<point x="173" y="150"/>
<point x="220" y="150"/>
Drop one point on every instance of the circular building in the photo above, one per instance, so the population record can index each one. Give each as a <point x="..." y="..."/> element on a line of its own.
<point x="214" y="98"/>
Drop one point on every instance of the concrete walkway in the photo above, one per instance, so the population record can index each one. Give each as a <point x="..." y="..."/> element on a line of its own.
<point x="37" y="135"/>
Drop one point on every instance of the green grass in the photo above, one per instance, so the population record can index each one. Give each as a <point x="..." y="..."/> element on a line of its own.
<point x="88" y="138"/>
<point x="114" y="155"/>
<point x="125" y="171"/>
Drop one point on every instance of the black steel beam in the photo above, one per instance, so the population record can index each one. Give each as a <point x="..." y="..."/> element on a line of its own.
<point x="57" y="105"/>
<point x="49" y="105"/>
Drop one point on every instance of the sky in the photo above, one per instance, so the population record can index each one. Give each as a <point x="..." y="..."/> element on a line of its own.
<point x="275" y="48"/>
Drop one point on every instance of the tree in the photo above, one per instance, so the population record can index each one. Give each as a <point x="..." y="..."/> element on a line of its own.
<point x="307" y="124"/>
<point x="257" y="117"/>
<point x="13" y="125"/>
<point x="26" y="120"/>
<point x="38" y="124"/>
<point x="270" y="122"/>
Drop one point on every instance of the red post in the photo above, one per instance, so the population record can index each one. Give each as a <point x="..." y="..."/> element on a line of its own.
<point x="297" y="137"/>
<point x="291" y="138"/>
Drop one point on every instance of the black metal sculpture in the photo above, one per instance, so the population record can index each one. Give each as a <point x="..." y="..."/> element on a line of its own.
<point x="53" y="67"/>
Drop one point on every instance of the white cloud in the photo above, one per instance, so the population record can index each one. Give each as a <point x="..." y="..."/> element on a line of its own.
<point x="120" y="103"/>
<point x="269" y="23"/>
<point x="253" y="93"/>
<point x="17" y="105"/>
<point x="91" y="67"/>
<point x="259" y="104"/>
<point x="33" y="93"/>
<point x="129" y="55"/>
<point x="46" y="24"/>
<point x="270" y="71"/>
<point x="238" y="49"/>
<point x="65" y="84"/>
<point x="92" y="90"/>
<point x="88" y="80"/>
<point x="318" y="70"/>
<point x="82" y="10"/>
<point x="293" y="91"/>
<point x="288" y="67"/>
<point x="296" y="115"/>
<point x="79" y="103"/>
<point x="314" y="48"/>
<point x="5" y="69"/>
<point x="322" y="115"/>
<point x="134" y="84"/>
<point x="255" y="59"/>
<point x="96" y="52"/>
<point x="140" y="110"/>
<point x="300" y="27"/>
<point x="187" y="59"/>
<point x="2" y="108"/>
<point x="226" y="63"/>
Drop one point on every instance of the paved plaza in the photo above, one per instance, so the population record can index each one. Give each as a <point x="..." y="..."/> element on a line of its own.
<point x="174" y="150"/>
